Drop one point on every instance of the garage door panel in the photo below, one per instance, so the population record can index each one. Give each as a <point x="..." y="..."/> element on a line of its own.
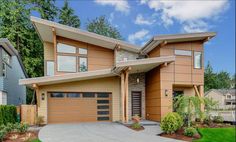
<point x="78" y="109"/>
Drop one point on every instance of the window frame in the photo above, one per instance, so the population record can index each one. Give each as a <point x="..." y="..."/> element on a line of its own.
<point x="66" y="56"/>
<point x="4" y="70"/>
<point x="190" y="51"/>
<point x="4" y="51"/>
<point x="200" y="59"/>
<point x="47" y="67"/>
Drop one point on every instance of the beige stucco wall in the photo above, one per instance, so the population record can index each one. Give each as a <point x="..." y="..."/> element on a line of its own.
<point x="110" y="84"/>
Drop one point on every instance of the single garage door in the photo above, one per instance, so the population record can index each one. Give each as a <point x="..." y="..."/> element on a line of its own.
<point x="79" y="107"/>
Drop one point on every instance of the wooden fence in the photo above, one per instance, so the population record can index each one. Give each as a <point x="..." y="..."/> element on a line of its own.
<point x="28" y="114"/>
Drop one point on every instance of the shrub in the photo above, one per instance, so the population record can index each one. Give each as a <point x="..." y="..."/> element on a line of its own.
<point x="2" y="134"/>
<point x="171" y="122"/>
<point x="22" y="128"/>
<point x="7" y="114"/>
<point x="136" y="122"/>
<point x="207" y="121"/>
<point x="136" y="125"/>
<point x="39" y="120"/>
<point x="190" y="131"/>
<point x="218" y="119"/>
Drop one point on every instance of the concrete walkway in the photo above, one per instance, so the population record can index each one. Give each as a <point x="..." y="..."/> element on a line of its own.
<point x="99" y="132"/>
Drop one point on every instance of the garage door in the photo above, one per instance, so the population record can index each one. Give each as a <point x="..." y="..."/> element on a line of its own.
<point x="78" y="107"/>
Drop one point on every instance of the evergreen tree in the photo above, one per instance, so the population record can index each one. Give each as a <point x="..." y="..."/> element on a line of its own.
<point x="101" y="26"/>
<point x="67" y="16"/>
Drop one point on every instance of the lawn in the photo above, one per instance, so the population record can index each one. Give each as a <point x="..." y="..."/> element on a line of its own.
<point x="217" y="134"/>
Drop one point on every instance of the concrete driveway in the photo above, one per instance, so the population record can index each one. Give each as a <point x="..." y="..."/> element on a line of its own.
<point x="99" y="132"/>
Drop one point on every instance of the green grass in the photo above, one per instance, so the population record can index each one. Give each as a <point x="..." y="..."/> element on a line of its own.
<point x="217" y="134"/>
<point x="34" y="140"/>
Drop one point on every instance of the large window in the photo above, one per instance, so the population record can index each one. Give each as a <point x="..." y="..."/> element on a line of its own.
<point x="183" y="52"/>
<point x="6" y="57"/>
<point x="63" y="48"/>
<point x="197" y="60"/>
<point x="4" y="70"/>
<point x="71" y="58"/>
<point x="66" y="63"/>
<point x="50" y="68"/>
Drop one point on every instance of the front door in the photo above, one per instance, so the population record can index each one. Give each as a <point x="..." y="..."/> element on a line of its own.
<point x="136" y="103"/>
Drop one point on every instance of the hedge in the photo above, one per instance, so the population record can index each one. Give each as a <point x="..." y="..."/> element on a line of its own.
<point x="8" y="114"/>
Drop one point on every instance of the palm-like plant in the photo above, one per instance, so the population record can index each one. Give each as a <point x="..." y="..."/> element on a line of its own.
<point x="188" y="106"/>
<point x="210" y="104"/>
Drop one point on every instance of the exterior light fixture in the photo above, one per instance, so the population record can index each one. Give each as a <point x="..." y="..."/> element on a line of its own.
<point x="137" y="80"/>
<point x="42" y="96"/>
<point x="166" y="92"/>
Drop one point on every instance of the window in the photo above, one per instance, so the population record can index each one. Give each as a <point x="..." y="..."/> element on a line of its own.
<point x="103" y="101"/>
<point x="83" y="51"/>
<point x="73" y="95"/>
<point x="4" y="70"/>
<point x="228" y="103"/>
<point x="103" y="112"/>
<point x="50" y="68"/>
<point x="183" y="52"/>
<point x="102" y="118"/>
<point x="66" y="63"/>
<point x="103" y="107"/>
<point x="57" y="95"/>
<point x="6" y="57"/>
<point x="63" y="48"/>
<point x="88" y="95"/>
<point x="233" y="103"/>
<point x="228" y="97"/>
<point x="102" y="95"/>
<point x="197" y="60"/>
<point x="83" y="66"/>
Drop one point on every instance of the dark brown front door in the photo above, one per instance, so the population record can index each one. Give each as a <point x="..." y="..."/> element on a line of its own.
<point x="136" y="103"/>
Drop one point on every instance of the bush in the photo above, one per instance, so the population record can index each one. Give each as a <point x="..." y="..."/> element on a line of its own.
<point x="190" y="131"/>
<point x="218" y="119"/>
<point x="136" y="125"/>
<point x="171" y="122"/>
<point x="2" y="134"/>
<point x="207" y="120"/>
<point x="22" y="128"/>
<point x="7" y="114"/>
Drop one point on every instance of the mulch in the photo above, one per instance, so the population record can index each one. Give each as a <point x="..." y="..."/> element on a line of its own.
<point x="140" y="129"/>
<point x="20" y="137"/>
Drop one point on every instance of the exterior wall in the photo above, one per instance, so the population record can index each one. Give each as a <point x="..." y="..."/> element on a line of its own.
<point x="188" y="91"/>
<point x="110" y="84"/>
<point x="16" y="94"/>
<point x="121" y="54"/>
<point x="160" y="81"/>
<point x="134" y="86"/>
<point x="98" y="57"/>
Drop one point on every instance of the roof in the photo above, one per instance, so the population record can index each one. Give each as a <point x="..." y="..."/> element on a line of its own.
<point x="173" y="38"/>
<point x="43" y="26"/>
<point x="222" y="91"/>
<point x="6" y="44"/>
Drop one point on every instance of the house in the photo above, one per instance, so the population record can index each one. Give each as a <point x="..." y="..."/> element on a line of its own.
<point x="89" y="77"/>
<point x="11" y="70"/>
<point x="224" y="97"/>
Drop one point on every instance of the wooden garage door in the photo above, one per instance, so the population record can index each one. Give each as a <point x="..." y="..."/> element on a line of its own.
<point x="78" y="107"/>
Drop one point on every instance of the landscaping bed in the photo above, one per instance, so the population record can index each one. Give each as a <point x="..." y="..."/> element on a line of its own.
<point x="30" y="136"/>
<point x="136" y="129"/>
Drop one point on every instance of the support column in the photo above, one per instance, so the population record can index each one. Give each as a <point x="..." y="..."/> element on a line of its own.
<point x="122" y="97"/>
<point x="201" y="92"/>
<point x="126" y="96"/>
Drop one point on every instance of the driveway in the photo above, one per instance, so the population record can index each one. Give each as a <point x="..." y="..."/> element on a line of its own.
<point x="99" y="132"/>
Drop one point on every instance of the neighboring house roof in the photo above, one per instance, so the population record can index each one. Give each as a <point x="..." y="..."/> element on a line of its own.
<point x="222" y="92"/>
<point x="141" y="65"/>
<point x="44" y="26"/>
<point x="173" y="38"/>
<point x="6" y="44"/>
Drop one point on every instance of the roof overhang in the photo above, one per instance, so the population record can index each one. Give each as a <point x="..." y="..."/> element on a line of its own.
<point x="6" y="44"/>
<point x="157" y="40"/>
<point x="44" y="28"/>
<point x="142" y="65"/>
<point x="47" y="80"/>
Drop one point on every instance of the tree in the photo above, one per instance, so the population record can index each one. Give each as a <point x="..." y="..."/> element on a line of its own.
<point x="223" y="80"/>
<point x="101" y="26"/>
<point x="67" y="16"/>
<point x="46" y="8"/>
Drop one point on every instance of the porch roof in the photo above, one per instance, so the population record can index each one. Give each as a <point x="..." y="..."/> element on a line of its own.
<point x="142" y="65"/>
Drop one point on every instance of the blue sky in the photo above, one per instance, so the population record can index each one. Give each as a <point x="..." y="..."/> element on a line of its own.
<point x="139" y="20"/>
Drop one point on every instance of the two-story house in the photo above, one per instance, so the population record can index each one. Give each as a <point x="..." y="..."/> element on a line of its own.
<point x="89" y="77"/>
<point x="224" y="97"/>
<point x="11" y="70"/>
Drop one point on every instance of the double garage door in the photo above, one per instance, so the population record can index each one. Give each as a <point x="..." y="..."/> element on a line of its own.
<point x="79" y="107"/>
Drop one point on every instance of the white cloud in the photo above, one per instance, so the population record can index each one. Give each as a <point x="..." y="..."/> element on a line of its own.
<point x="139" y="36"/>
<point x="199" y="26"/>
<point x="188" y="13"/>
<point x="140" y="20"/>
<point x="120" y="5"/>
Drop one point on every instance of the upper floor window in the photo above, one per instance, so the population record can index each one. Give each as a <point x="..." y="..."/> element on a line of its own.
<point x="197" y="60"/>
<point x="83" y="65"/>
<point x="66" y="63"/>
<point x="6" y="57"/>
<point x="4" y="70"/>
<point x="183" y="52"/>
<point x="228" y="97"/>
<point x="63" y="48"/>
<point x="50" y="68"/>
<point x="82" y="51"/>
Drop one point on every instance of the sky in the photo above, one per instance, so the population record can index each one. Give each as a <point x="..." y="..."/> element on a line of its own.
<point x="139" y="20"/>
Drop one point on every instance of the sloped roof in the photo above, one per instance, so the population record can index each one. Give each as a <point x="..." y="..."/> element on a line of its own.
<point x="222" y="92"/>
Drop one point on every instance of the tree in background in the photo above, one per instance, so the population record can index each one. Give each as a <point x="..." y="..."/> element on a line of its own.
<point x="101" y="26"/>
<point x="221" y="80"/>
<point x="46" y="8"/>
<point x="67" y="16"/>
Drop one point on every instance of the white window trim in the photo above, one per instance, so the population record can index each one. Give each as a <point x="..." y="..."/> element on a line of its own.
<point x="183" y="52"/>
<point x="200" y="60"/>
